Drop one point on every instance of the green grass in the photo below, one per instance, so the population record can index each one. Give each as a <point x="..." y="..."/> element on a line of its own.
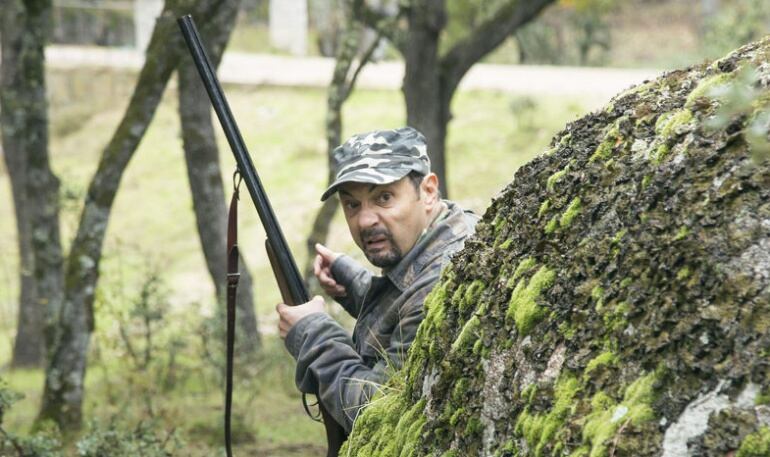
<point x="152" y="225"/>
<point x="268" y="416"/>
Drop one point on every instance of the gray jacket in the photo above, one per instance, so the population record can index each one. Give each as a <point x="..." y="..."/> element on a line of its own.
<point x="347" y="370"/>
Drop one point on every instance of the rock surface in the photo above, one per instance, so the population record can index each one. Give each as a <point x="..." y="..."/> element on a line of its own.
<point x="615" y="300"/>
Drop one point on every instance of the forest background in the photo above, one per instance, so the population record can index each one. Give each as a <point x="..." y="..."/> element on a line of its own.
<point x="153" y="379"/>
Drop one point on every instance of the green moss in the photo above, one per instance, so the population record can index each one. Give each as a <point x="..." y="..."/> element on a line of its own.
<point x="603" y="151"/>
<point x="764" y="397"/>
<point x="706" y="86"/>
<point x="566" y="218"/>
<point x="473" y="426"/>
<point x="539" y="430"/>
<point x="544" y="207"/>
<point x="562" y="142"/>
<point x="523" y="267"/>
<point x="471" y="296"/>
<point x="619" y="235"/>
<point x="456" y="416"/>
<point x="468" y="334"/>
<point x="660" y="153"/>
<point x="597" y="293"/>
<point x="682" y="233"/>
<point x="640" y="89"/>
<point x="551" y="182"/>
<point x="552" y="225"/>
<point x="625" y="282"/>
<point x="528" y="393"/>
<point x="605" y="358"/>
<point x="615" y="318"/>
<point x="756" y="444"/>
<point x="646" y="181"/>
<point x="435" y="307"/>
<point x="661" y="122"/>
<point x="683" y="273"/>
<point x="498" y="223"/>
<point x="388" y="427"/>
<point x="523" y="309"/>
<point x="506" y="244"/>
<point x="567" y="330"/>
<point x="478" y="348"/>
<point x="570" y="213"/>
<point x="457" y="296"/>
<point x="666" y="129"/>
<point x="612" y="138"/>
<point x="507" y="449"/>
<point x="435" y="320"/>
<point x="606" y="416"/>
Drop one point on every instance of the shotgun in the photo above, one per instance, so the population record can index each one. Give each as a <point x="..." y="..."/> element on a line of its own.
<point x="287" y="275"/>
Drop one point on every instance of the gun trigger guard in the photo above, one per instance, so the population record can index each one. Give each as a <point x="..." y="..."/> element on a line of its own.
<point x="315" y="417"/>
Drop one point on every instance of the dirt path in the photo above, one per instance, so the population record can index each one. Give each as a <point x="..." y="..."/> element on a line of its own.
<point x="259" y="69"/>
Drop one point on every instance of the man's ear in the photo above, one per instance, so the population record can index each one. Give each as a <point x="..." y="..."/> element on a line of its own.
<point x="429" y="188"/>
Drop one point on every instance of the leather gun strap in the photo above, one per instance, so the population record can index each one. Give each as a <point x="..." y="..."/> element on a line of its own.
<point x="232" y="287"/>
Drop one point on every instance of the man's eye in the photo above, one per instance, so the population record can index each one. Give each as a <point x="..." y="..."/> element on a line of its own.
<point x="350" y="205"/>
<point x="384" y="197"/>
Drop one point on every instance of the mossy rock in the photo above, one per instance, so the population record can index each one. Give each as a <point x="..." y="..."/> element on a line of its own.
<point x="629" y="313"/>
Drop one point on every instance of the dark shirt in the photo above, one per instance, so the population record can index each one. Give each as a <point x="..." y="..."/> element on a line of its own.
<point x="347" y="370"/>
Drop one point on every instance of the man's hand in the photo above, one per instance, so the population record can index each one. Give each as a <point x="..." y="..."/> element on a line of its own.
<point x="290" y="315"/>
<point x="322" y="268"/>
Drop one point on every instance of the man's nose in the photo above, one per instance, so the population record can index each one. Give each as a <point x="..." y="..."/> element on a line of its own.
<point x="367" y="217"/>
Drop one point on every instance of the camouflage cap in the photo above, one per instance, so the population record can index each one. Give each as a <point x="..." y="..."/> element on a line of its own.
<point x="379" y="157"/>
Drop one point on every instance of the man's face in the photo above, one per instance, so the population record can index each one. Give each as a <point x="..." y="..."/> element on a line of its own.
<point x="386" y="220"/>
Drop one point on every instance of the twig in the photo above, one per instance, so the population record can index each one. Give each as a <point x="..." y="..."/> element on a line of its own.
<point x="16" y="445"/>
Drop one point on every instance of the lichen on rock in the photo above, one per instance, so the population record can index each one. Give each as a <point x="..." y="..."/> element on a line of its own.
<point x="615" y="299"/>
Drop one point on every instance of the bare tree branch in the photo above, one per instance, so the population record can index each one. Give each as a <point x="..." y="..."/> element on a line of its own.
<point x="488" y="36"/>
<point x="365" y="58"/>
<point x="384" y="24"/>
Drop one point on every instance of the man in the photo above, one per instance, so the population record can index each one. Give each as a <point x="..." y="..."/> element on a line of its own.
<point x="397" y="218"/>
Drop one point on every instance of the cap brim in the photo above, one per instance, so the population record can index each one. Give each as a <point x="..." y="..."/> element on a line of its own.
<point x="366" y="179"/>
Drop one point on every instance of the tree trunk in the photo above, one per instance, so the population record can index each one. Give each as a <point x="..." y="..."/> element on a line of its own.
<point x="69" y="339"/>
<point x="422" y="86"/>
<point x="430" y="79"/>
<point x="614" y="299"/>
<point x="35" y="189"/>
<point x="205" y="177"/>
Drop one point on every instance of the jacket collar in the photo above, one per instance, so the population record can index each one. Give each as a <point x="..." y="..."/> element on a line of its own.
<point x="430" y="245"/>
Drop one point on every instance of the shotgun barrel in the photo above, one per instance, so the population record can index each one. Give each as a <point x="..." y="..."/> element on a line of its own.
<point x="285" y="269"/>
<point x="246" y="168"/>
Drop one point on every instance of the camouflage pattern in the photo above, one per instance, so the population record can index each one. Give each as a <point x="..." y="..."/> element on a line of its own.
<point x="379" y="157"/>
<point x="347" y="370"/>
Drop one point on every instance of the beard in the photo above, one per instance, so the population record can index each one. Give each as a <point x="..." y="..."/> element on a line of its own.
<point x="385" y="257"/>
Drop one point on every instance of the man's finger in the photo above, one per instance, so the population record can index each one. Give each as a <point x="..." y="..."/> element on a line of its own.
<point x="324" y="278"/>
<point x="322" y="250"/>
<point x="325" y="252"/>
<point x="317" y="265"/>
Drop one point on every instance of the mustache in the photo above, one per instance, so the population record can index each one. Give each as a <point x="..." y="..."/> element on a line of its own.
<point x="375" y="231"/>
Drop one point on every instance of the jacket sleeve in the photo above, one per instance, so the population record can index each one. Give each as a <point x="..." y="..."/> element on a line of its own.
<point x="327" y="362"/>
<point x="357" y="281"/>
